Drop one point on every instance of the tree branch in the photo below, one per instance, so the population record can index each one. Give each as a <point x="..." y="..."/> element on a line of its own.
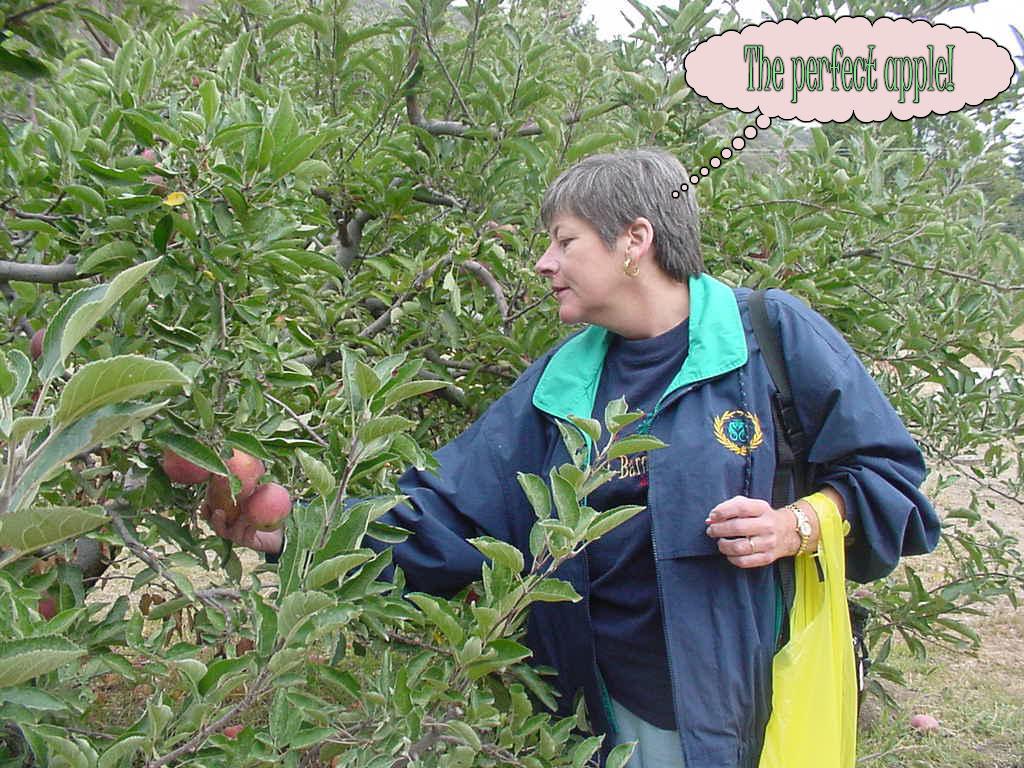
<point x="20" y="17"/>
<point x="459" y="130"/>
<point x="104" y="46"/>
<point x="258" y="689"/>
<point x="49" y="274"/>
<point x="418" y="282"/>
<point x="309" y="430"/>
<point x="459" y="365"/>
<point x="208" y="597"/>
<point x="874" y="253"/>
<point x="481" y="273"/>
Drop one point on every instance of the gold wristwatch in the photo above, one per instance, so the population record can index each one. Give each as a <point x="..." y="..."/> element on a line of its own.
<point x="803" y="528"/>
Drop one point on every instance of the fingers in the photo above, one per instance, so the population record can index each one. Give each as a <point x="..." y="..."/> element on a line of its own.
<point x="747" y="530"/>
<point x="738" y="507"/>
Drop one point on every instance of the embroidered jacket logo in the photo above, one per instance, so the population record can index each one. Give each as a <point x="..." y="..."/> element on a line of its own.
<point x="739" y="431"/>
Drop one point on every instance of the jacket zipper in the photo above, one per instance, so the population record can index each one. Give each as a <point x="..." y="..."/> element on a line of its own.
<point x="644" y="428"/>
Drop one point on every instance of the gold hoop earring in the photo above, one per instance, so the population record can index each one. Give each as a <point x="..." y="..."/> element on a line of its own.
<point x="631" y="269"/>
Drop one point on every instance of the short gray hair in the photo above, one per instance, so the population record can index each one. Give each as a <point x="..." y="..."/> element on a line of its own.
<point x="610" y="191"/>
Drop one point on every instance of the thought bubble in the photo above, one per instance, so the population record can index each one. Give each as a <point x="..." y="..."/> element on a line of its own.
<point x="831" y="70"/>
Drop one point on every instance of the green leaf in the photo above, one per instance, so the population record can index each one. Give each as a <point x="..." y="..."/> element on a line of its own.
<point x="362" y="382"/>
<point x="288" y="158"/>
<point x="502" y="653"/>
<point x="80" y="312"/>
<point x="162" y="233"/>
<point x="297" y="608"/>
<point x="613" y="410"/>
<point x="384" y="425"/>
<point x="25" y="425"/>
<point x="28" y="658"/>
<point x="610" y="519"/>
<point x="193" y="451"/>
<point x="333" y="569"/>
<point x="210" y="96"/>
<point x="7" y="377"/>
<point x="634" y="444"/>
<point x="590" y="427"/>
<point x="220" y="669"/>
<point x="537" y="493"/>
<point x="583" y="751"/>
<point x="116" y="380"/>
<point x="85" y="317"/>
<point x="500" y="552"/>
<point x="440" y="615"/>
<point x="83" y="434"/>
<point x="588" y="145"/>
<point x="21" y="367"/>
<point x="36" y="527"/>
<point x="87" y="195"/>
<point x="317" y="472"/>
<point x="111" y="253"/>
<point x="283" y="124"/>
<point x="465" y="732"/>
<point x="553" y="591"/>
<point x="121" y="752"/>
<point x="411" y="389"/>
<point x="23" y="66"/>
<point x="566" y="503"/>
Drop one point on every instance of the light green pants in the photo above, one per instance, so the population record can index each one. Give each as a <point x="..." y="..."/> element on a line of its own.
<point x="656" y="747"/>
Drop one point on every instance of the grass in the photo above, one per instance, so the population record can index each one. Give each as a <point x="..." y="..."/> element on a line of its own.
<point x="977" y="697"/>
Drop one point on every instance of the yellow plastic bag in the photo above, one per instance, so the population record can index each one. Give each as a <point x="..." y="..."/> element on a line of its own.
<point x="814" y="699"/>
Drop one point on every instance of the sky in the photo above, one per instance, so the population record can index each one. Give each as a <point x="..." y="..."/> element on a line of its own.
<point x="991" y="18"/>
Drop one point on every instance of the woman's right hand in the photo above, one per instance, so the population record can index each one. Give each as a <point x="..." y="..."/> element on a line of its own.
<point x="244" y="534"/>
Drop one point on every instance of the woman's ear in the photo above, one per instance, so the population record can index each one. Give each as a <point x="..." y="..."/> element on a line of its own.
<point x="639" y="235"/>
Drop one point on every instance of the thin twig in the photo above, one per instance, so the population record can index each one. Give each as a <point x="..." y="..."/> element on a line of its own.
<point x="20" y="17"/>
<point x="528" y="307"/>
<point x="104" y="46"/>
<point x="258" y="689"/>
<point x="309" y="431"/>
<point x="792" y="201"/>
<point x="874" y="253"/>
<point x="460" y="365"/>
<point x="418" y="282"/>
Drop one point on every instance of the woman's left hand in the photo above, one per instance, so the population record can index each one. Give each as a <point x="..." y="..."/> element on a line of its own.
<point x="751" y="534"/>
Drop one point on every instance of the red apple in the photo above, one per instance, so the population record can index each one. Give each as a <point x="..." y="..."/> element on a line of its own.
<point x="268" y="506"/>
<point x="248" y="469"/>
<point x="47" y="607"/>
<point x="179" y="470"/>
<point x="36" y="345"/>
<point x="924" y="723"/>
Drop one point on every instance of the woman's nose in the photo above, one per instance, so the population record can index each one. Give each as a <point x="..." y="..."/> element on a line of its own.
<point x="546" y="265"/>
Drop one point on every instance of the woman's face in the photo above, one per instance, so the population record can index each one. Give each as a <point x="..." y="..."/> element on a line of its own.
<point x="586" y="277"/>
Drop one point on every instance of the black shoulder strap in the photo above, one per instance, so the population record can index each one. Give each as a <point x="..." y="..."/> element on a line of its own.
<point x="790" y="468"/>
<point x="791" y="447"/>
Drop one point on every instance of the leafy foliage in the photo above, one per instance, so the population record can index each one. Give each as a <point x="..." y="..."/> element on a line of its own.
<point x="256" y="206"/>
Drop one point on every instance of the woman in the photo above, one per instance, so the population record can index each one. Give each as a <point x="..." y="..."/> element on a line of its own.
<point x="673" y="641"/>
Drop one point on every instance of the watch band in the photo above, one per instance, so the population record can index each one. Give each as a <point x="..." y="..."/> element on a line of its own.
<point x="803" y="528"/>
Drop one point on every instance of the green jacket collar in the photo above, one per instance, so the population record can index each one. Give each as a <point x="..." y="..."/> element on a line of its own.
<point x="717" y="345"/>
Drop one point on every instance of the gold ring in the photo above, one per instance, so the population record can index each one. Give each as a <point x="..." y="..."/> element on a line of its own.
<point x="750" y="542"/>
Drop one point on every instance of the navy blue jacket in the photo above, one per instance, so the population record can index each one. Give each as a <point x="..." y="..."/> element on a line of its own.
<point x="716" y="418"/>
